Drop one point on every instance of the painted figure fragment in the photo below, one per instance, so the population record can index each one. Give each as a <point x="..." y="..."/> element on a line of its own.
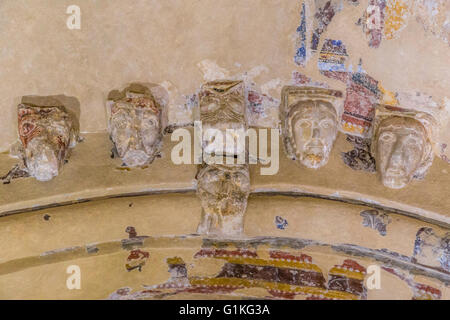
<point x="280" y="274"/>
<point x="135" y="126"/>
<point x="46" y="134"/>
<point x="432" y="248"/>
<point x="222" y="109"/>
<point x="223" y="191"/>
<point x="360" y="157"/>
<point x="310" y="123"/>
<point x="402" y="145"/>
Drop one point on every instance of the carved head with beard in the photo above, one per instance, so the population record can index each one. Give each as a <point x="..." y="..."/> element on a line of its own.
<point x="223" y="191"/>
<point x="310" y="124"/>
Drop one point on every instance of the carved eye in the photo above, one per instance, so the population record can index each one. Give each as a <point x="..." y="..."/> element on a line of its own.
<point x="387" y="137"/>
<point x="303" y="124"/>
<point x="412" y="141"/>
<point x="326" y="124"/>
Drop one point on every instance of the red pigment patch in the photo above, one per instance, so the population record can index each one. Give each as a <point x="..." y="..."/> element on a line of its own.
<point x="351" y="264"/>
<point x="287" y="256"/>
<point x="218" y="253"/>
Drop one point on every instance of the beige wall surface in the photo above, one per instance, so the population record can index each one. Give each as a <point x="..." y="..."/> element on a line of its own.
<point x="180" y="44"/>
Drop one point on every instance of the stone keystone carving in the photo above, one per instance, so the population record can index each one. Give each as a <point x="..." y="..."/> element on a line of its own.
<point x="223" y="191"/>
<point x="222" y="107"/>
<point x="402" y="144"/>
<point x="135" y="126"/>
<point x="310" y="123"/>
<point x="46" y="134"/>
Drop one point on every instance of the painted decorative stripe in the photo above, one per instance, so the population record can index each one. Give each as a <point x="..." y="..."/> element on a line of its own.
<point x="274" y="286"/>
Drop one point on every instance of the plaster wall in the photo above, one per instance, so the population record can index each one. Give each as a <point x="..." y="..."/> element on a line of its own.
<point x="180" y="44"/>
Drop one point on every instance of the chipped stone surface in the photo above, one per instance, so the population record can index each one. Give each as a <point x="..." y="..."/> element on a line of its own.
<point x="46" y="135"/>
<point x="135" y="125"/>
<point x="223" y="191"/>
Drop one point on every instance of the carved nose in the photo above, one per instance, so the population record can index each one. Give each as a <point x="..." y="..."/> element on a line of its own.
<point x="397" y="156"/>
<point x="316" y="132"/>
<point x="45" y="165"/>
<point x="134" y="143"/>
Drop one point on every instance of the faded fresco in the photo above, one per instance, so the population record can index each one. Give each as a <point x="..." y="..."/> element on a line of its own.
<point x="277" y="273"/>
<point x="358" y="91"/>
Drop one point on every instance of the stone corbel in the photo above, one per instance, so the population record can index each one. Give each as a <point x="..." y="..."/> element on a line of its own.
<point x="135" y="126"/>
<point x="223" y="191"/>
<point x="222" y="188"/>
<point x="222" y="106"/>
<point x="46" y="135"/>
<point x="402" y="144"/>
<point x="310" y="123"/>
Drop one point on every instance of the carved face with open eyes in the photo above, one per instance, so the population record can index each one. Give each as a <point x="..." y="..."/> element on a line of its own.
<point x="135" y="128"/>
<point x="223" y="192"/>
<point x="313" y="126"/>
<point x="222" y="107"/>
<point x="46" y="134"/>
<point x="401" y="147"/>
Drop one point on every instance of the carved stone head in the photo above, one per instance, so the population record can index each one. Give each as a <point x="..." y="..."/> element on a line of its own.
<point x="310" y="124"/>
<point x="222" y="107"/>
<point x="223" y="191"/>
<point x="46" y="134"/>
<point x="135" y="127"/>
<point x="402" y="145"/>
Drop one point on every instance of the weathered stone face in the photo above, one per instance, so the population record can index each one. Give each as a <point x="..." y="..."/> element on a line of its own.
<point x="135" y="128"/>
<point x="223" y="191"/>
<point x="315" y="127"/>
<point x="222" y="107"/>
<point x="311" y="124"/>
<point x="46" y="133"/>
<point x="401" y="147"/>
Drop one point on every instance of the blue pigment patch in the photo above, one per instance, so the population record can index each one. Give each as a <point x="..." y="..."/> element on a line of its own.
<point x="281" y="223"/>
<point x="333" y="56"/>
<point x="300" y="55"/>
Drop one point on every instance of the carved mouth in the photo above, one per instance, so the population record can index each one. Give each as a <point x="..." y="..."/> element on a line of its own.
<point x="395" y="173"/>
<point x="314" y="158"/>
<point x="395" y="179"/>
<point x="316" y="148"/>
<point x="135" y="157"/>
